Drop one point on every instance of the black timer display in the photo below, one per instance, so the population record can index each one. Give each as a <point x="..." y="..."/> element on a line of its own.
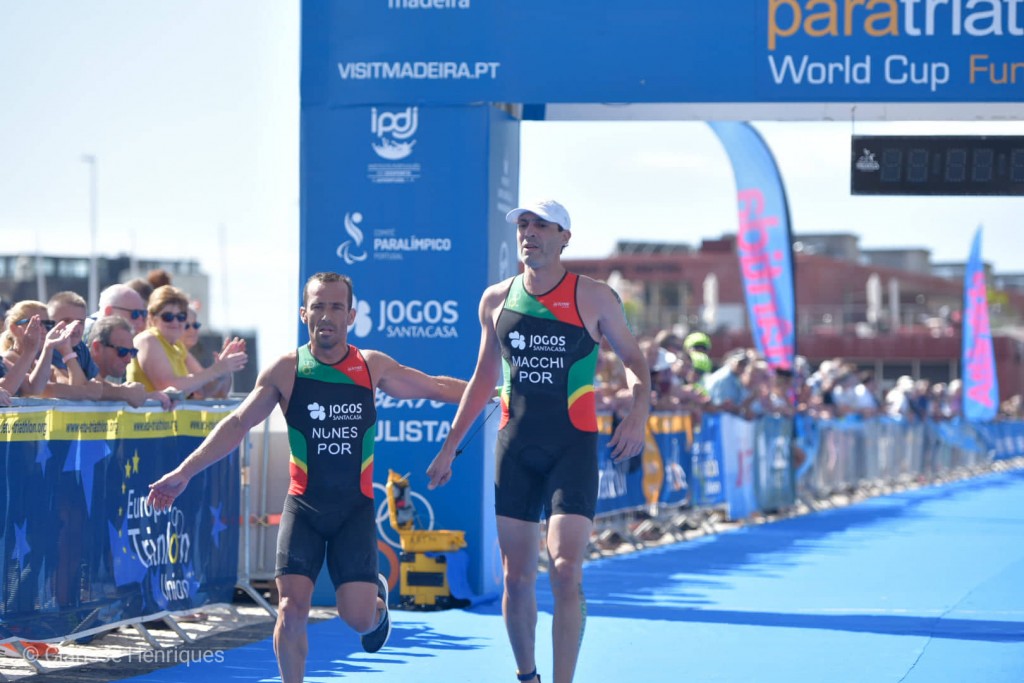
<point x="937" y="165"/>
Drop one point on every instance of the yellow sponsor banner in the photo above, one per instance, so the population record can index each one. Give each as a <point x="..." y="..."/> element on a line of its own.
<point x="149" y="425"/>
<point x="198" y="422"/>
<point x="184" y="422"/>
<point x="657" y="423"/>
<point x="56" y="424"/>
<point x="654" y="468"/>
<point x="668" y="423"/>
<point x="16" y="425"/>
<point x="83" y="425"/>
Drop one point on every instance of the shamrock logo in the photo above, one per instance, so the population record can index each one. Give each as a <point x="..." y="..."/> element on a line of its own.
<point x="518" y="341"/>
<point x="316" y="411"/>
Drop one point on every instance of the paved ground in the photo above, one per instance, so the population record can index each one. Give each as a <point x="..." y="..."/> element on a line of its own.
<point x="921" y="586"/>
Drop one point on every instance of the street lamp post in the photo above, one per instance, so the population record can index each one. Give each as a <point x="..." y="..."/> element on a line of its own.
<point x="93" y="277"/>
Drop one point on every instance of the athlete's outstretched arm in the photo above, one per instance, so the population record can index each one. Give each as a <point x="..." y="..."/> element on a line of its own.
<point x="479" y="391"/>
<point x="628" y="438"/>
<point x="228" y="433"/>
<point x="402" y="381"/>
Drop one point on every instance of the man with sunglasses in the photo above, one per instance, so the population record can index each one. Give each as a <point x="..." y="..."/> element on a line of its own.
<point x="329" y="510"/>
<point x="111" y="345"/>
<point x="124" y="302"/>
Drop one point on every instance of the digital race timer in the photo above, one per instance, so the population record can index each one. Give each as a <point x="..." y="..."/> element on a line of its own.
<point x="937" y="165"/>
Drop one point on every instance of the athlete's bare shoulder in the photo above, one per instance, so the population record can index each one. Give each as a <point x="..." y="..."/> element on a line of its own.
<point x="596" y="292"/>
<point x="498" y="289"/>
<point x="493" y="297"/>
<point x="280" y="374"/>
<point x="285" y="362"/>
<point x="598" y="303"/>
<point x="377" y="361"/>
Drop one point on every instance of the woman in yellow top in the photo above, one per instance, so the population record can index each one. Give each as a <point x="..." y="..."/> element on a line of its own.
<point x="163" y="361"/>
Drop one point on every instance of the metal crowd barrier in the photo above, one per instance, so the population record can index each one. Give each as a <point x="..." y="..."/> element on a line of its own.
<point x="735" y="468"/>
<point x="83" y="551"/>
<point x="851" y="453"/>
<point x="83" y="554"/>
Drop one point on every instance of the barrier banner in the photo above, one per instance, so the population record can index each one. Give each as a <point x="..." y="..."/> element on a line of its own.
<point x="807" y="437"/>
<point x="763" y="242"/>
<point x="706" y="469"/>
<point x="82" y="550"/>
<point x="395" y="194"/>
<point x="737" y="438"/>
<point x="620" y="485"/>
<point x="957" y="434"/>
<point x="658" y="476"/>
<point x="664" y="480"/>
<point x="981" y="385"/>
<point x="773" y="470"/>
<point x="1005" y="438"/>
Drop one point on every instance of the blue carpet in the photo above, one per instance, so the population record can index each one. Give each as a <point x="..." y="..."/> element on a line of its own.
<point x="919" y="587"/>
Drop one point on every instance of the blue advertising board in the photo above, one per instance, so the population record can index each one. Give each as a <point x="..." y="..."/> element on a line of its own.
<point x="410" y="202"/>
<point x="82" y="548"/>
<point x="532" y="51"/>
<point x="707" y="469"/>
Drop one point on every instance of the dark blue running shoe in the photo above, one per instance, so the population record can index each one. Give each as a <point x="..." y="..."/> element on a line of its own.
<point x="375" y="639"/>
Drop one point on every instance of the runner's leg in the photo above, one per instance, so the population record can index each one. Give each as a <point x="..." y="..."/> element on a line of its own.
<point x="358" y="605"/>
<point x="567" y="540"/>
<point x="290" y="643"/>
<point x="520" y="550"/>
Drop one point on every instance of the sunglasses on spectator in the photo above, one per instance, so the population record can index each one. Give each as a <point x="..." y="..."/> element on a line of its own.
<point x="48" y="324"/>
<point x="193" y="326"/>
<point x="136" y="312"/>
<point x="122" y="351"/>
<point x="171" y="317"/>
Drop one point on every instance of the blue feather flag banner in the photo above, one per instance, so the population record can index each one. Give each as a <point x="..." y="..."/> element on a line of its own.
<point x="763" y="242"/>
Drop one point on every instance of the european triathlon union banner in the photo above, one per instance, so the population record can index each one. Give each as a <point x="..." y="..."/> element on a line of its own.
<point x="762" y="242"/>
<point x="981" y="386"/>
<point x="82" y="550"/>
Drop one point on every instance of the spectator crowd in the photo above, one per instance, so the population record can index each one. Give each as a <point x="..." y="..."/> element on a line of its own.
<point x="142" y="344"/>
<point x="684" y="379"/>
<point x="139" y="346"/>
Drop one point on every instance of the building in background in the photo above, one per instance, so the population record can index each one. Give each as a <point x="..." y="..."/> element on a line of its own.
<point x="885" y="310"/>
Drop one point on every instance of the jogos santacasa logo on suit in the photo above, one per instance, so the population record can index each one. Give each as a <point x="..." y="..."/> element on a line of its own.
<point x="334" y="411"/>
<point x="541" y="355"/>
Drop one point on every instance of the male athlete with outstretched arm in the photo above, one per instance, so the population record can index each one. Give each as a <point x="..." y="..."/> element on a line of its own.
<point x="326" y="392"/>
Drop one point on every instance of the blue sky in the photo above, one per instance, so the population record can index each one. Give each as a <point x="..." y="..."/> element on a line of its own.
<point x="192" y="111"/>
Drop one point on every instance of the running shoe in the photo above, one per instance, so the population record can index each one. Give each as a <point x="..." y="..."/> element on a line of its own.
<point x="375" y="639"/>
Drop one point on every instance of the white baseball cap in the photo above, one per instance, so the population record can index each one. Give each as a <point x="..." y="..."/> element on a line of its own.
<point x="548" y="209"/>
